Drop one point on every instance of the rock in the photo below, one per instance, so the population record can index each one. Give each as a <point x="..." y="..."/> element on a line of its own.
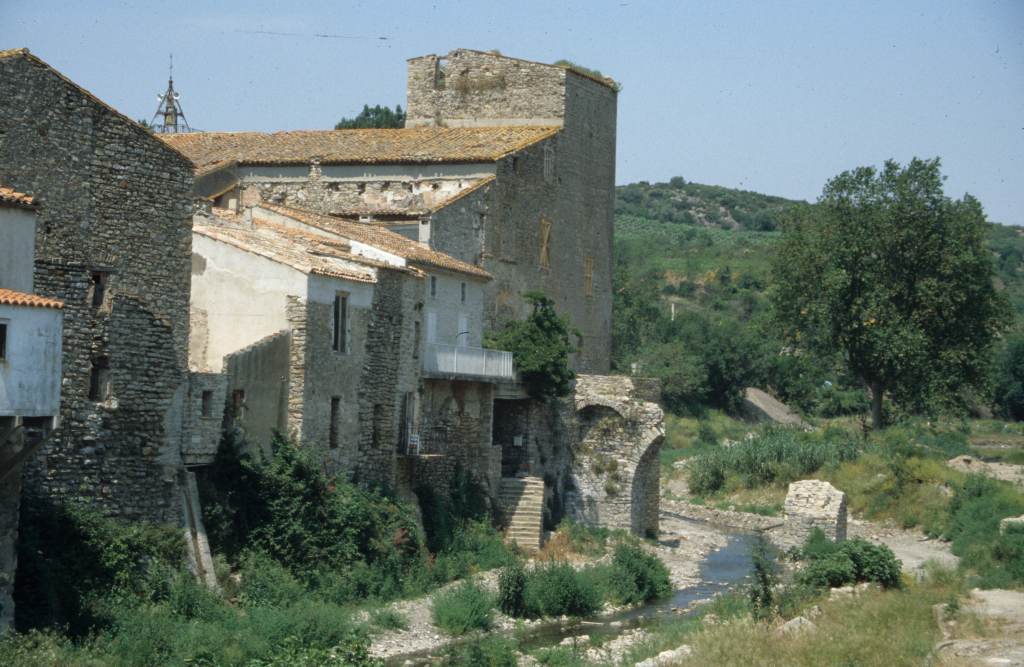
<point x="842" y="592"/>
<point x="796" y="626"/>
<point x="667" y="657"/>
<point x="762" y="406"/>
<point x="574" y="640"/>
<point x="812" y="503"/>
<point x="1011" y="524"/>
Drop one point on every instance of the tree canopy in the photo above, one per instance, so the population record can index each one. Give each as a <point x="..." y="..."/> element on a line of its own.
<point x="374" y="117"/>
<point x="540" y="345"/>
<point x="896" y="276"/>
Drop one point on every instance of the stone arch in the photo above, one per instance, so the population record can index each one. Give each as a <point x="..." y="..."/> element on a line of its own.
<point x="645" y="490"/>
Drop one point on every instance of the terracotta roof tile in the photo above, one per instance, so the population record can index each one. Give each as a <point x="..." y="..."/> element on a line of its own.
<point x="9" y="297"/>
<point x="416" y="145"/>
<point x="306" y="252"/>
<point x="11" y="197"/>
<point x="377" y="236"/>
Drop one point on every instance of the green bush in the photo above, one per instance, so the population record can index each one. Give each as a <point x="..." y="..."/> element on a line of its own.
<point x="512" y="590"/>
<point x="777" y="455"/>
<point x="833" y="564"/>
<point x="637" y="576"/>
<point x="463" y="608"/>
<point x="975" y="511"/>
<point x="557" y="589"/>
<point x="266" y="583"/>
<point x="831" y="571"/>
<point x="487" y="651"/>
<point x="873" y="562"/>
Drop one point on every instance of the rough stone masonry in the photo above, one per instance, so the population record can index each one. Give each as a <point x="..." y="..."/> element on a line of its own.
<point x="113" y="242"/>
<point x="812" y="503"/>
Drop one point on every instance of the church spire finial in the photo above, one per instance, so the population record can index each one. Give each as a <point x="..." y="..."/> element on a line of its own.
<point x="169" y="117"/>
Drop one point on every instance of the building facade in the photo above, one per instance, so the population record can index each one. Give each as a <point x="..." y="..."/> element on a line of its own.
<point x="113" y="243"/>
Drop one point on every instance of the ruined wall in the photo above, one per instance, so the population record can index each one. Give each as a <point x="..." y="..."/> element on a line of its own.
<point x="475" y="88"/>
<point x="456" y="420"/>
<point x="204" y="417"/>
<point x="391" y="370"/>
<point x="261" y="371"/>
<point x="112" y="199"/>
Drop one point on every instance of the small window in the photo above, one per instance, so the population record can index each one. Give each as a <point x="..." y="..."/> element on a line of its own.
<point x="340" y="338"/>
<point x="238" y="404"/>
<point x="99" y="379"/>
<point x="416" y="339"/>
<point x="433" y="287"/>
<point x="207" y="403"/>
<point x="3" y="341"/>
<point x="588" y="276"/>
<point x="463" y="292"/>
<point x="517" y="166"/>
<point x="98" y="287"/>
<point x="545" y="243"/>
<point x="335" y="421"/>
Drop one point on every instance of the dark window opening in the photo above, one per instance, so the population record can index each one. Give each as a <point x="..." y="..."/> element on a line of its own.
<point x="207" y="404"/>
<point x="463" y="293"/>
<point x="3" y="341"/>
<point x="238" y="404"/>
<point x="99" y="288"/>
<point x="433" y="286"/>
<point x="416" y="339"/>
<point x="335" y="420"/>
<point x="406" y="425"/>
<point x="360" y="188"/>
<point x="340" y="339"/>
<point x="516" y="166"/>
<point x="99" y="379"/>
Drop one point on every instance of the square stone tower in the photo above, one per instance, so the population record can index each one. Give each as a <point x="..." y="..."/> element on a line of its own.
<point x="550" y="226"/>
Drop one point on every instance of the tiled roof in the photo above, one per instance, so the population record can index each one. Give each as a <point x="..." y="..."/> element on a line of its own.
<point x="9" y="297"/>
<point x="374" y="235"/>
<point x="308" y="253"/>
<point x="416" y="145"/>
<point x="31" y="57"/>
<point x="11" y="197"/>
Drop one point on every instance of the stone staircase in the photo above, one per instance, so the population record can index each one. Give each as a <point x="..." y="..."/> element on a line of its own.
<point x="522" y="500"/>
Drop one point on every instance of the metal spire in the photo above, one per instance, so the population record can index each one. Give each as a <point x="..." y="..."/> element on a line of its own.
<point x="169" y="118"/>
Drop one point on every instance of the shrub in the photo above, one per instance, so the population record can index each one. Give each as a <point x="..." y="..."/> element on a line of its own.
<point x="637" y="576"/>
<point x="763" y="578"/>
<point x="831" y="564"/>
<point x="266" y="583"/>
<point x="831" y="571"/>
<point x="463" y="608"/>
<point x="512" y="590"/>
<point x="389" y="619"/>
<point x="975" y="511"/>
<point x="488" y="651"/>
<point x="873" y="562"/>
<point x="557" y="589"/>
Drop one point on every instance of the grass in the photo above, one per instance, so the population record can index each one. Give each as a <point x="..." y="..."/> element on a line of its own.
<point x="686" y="436"/>
<point x="463" y="608"/>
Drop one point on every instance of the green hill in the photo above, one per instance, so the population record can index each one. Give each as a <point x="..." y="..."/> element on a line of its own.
<point x="702" y="253"/>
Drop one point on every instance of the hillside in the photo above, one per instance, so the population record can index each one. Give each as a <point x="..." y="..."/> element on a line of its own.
<point x="703" y="253"/>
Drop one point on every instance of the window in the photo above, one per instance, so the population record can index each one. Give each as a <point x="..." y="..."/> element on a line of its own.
<point x="335" y="420"/>
<point x="98" y="287"/>
<point x="545" y="243"/>
<point x="238" y="404"/>
<point x="549" y="163"/>
<point x="416" y="339"/>
<point x="588" y="276"/>
<point x="433" y="287"/>
<point x="3" y="341"/>
<point x="340" y="339"/>
<point x="431" y="327"/>
<point x="517" y="166"/>
<point x="463" y="293"/>
<point x="406" y="426"/>
<point x="99" y="379"/>
<point x="207" y="403"/>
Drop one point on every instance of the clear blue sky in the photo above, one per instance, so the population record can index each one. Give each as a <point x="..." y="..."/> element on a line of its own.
<point x="769" y="96"/>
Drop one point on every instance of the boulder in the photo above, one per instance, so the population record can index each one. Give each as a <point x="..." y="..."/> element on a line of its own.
<point x="812" y="503"/>
<point x="795" y="626"/>
<point x="759" y="405"/>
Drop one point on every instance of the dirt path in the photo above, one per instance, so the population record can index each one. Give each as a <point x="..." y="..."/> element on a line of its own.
<point x="988" y="629"/>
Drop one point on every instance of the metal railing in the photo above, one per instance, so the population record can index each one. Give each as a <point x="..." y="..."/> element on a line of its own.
<point x="443" y="360"/>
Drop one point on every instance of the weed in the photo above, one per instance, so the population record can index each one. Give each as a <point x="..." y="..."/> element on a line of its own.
<point x="463" y="608"/>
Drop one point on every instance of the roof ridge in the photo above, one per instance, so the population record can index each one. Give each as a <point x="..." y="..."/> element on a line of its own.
<point x="28" y="55"/>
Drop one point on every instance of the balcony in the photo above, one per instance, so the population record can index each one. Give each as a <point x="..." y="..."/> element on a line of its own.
<point x="472" y="363"/>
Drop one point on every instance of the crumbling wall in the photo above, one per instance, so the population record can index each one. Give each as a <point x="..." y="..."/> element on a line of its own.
<point x="204" y="417"/>
<point x="456" y="419"/>
<point x="812" y="503"/>
<point x="113" y="200"/>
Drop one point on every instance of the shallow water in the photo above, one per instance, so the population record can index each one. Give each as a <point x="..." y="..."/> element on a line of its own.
<point x="720" y="570"/>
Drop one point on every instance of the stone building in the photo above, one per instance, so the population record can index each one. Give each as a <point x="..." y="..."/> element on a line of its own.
<point x="505" y="164"/>
<point x="325" y="330"/>
<point x="113" y="243"/>
<point x="30" y="356"/>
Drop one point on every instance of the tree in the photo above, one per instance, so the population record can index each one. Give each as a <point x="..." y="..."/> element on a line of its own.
<point x="375" y="116"/>
<point x="540" y="346"/>
<point x="896" y="276"/>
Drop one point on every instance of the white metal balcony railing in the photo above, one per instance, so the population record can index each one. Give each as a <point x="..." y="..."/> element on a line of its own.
<point x="443" y="359"/>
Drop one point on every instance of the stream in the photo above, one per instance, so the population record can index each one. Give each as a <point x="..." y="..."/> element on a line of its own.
<point x="720" y="570"/>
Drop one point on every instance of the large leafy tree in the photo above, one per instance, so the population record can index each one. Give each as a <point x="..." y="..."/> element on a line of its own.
<point x="540" y="345"/>
<point x="891" y="273"/>
<point x="374" y="117"/>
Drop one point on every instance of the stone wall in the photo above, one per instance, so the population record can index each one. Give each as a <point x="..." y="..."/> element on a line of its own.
<point x="113" y="200"/>
<point x="261" y="371"/>
<point x="10" y="496"/>
<point x="810" y="504"/>
<point x="456" y="421"/>
<point x="204" y="417"/>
